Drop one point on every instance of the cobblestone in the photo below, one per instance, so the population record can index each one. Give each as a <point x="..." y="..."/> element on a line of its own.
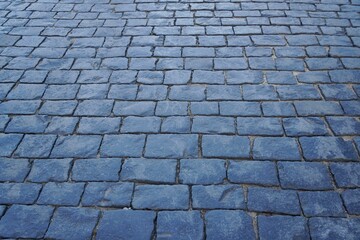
<point x="186" y="119"/>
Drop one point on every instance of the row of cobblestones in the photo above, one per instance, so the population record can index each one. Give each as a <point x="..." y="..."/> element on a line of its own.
<point x="180" y="119"/>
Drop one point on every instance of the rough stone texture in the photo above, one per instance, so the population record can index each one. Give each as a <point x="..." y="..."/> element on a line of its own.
<point x="160" y="119"/>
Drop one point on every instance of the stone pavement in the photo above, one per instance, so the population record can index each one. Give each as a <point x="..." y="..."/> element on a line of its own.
<point x="180" y="119"/>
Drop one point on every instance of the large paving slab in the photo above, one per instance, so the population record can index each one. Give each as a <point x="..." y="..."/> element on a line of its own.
<point x="180" y="119"/>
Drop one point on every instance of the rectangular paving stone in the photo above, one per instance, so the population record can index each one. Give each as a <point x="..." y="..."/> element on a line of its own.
<point x="253" y="172"/>
<point x="273" y="201"/>
<point x="138" y="108"/>
<point x="22" y="221"/>
<point x="161" y="197"/>
<point x="9" y="142"/>
<point x="14" y="170"/>
<point x="62" y="108"/>
<point x="197" y="171"/>
<point x="35" y="146"/>
<point x="176" y="125"/>
<point x="98" y="125"/>
<point x="259" y="126"/>
<point x="280" y="227"/>
<point x="228" y="224"/>
<point x="187" y="93"/>
<point x="218" y="197"/>
<point x="351" y="202"/>
<point x="304" y="126"/>
<point x="125" y="145"/>
<point x="317" y="108"/>
<point x="325" y="204"/>
<point x="229" y="108"/>
<point x="322" y="228"/>
<point x="304" y="176"/>
<point x="328" y="148"/>
<point x="19" y="107"/>
<point x="134" y="124"/>
<point x="49" y="170"/>
<point x="222" y="92"/>
<point x="28" y="124"/>
<point x="179" y="223"/>
<point x="102" y="169"/>
<point x="71" y="222"/>
<point x="171" y="146"/>
<point x="346" y="174"/>
<point x="276" y="148"/>
<point x="104" y="194"/>
<point x="120" y="223"/>
<point x="64" y="194"/>
<point x="149" y="170"/>
<point x="207" y="124"/>
<point x="62" y="125"/>
<point x="225" y="146"/>
<point x="76" y="146"/>
<point x="19" y="193"/>
<point x="94" y="108"/>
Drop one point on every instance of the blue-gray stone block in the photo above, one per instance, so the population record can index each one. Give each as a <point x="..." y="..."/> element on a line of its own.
<point x="198" y="171"/>
<point x="28" y="124"/>
<point x="218" y="197"/>
<point x="306" y="126"/>
<point x="172" y="146"/>
<point x="283" y="227"/>
<point x="134" y="124"/>
<point x="180" y="225"/>
<point x="344" y="125"/>
<point x="328" y="148"/>
<point x="94" y="108"/>
<point x="318" y="108"/>
<point x="35" y="146"/>
<point x="236" y="108"/>
<point x="22" y="221"/>
<point x="14" y="170"/>
<point x="62" y="125"/>
<point x="161" y="197"/>
<point x="126" y="224"/>
<point x="187" y="93"/>
<point x="304" y="176"/>
<point x="276" y="148"/>
<point x="204" y="108"/>
<point x="19" y="107"/>
<point x="65" y="194"/>
<point x="278" y="109"/>
<point x="259" y="126"/>
<point x="227" y="224"/>
<point x="98" y="125"/>
<point x="76" y="146"/>
<point x="137" y="108"/>
<point x="124" y="145"/>
<point x="321" y="204"/>
<point x="104" y="194"/>
<point x="8" y="143"/>
<point x="19" y="193"/>
<point x="351" y="200"/>
<point x="273" y="201"/>
<point x="225" y="146"/>
<point x="346" y="175"/>
<point x="213" y="125"/>
<point x="323" y="228"/>
<point x="102" y="169"/>
<point x="223" y="92"/>
<point x="50" y="170"/>
<point x="176" y="125"/>
<point x="149" y="170"/>
<point x="253" y="172"/>
<point x="73" y="223"/>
